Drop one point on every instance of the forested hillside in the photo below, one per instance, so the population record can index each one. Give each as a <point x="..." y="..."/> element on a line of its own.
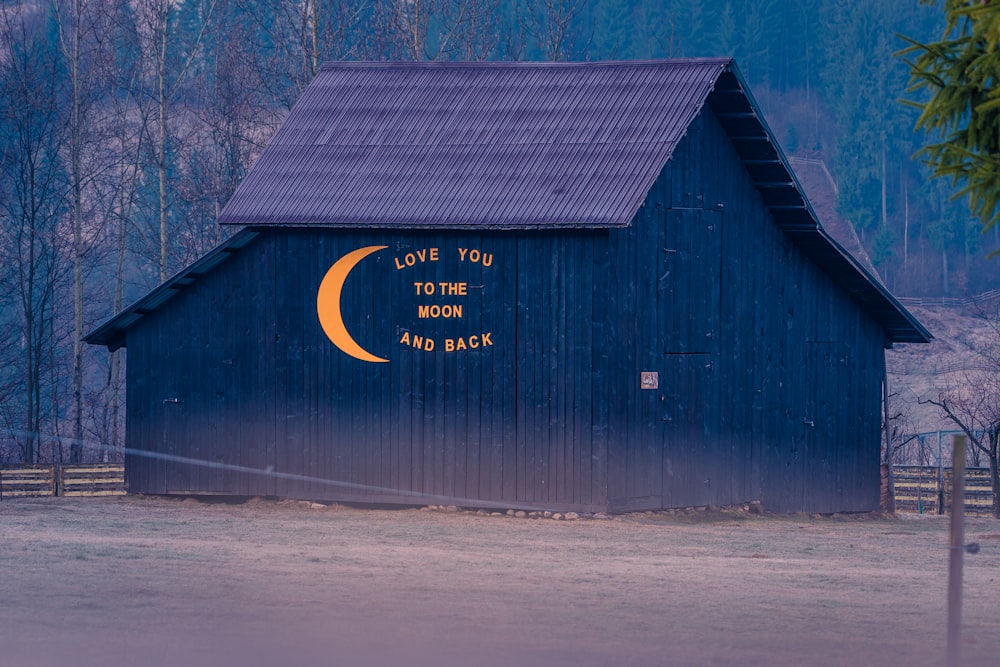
<point x="125" y="125"/>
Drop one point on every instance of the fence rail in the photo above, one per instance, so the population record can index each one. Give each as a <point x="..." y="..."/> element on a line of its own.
<point x="103" y="479"/>
<point x="92" y="480"/>
<point x="922" y="489"/>
<point x="978" y="490"/>
<point x="897" y="366"/>
<point x="28" y="481"/>
<point x="949" y="301"/>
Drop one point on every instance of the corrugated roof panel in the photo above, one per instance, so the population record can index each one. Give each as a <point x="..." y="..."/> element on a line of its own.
<point x="490" y="144"/>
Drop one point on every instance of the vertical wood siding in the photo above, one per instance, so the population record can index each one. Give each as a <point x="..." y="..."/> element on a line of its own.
<point x="769" y="375"/>
<point x="261" y="388"/>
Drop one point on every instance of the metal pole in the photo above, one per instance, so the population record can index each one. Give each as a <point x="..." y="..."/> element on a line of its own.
<point x="957" y="549"/>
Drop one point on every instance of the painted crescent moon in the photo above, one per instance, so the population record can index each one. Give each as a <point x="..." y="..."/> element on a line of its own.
<point x="328" y="304"/>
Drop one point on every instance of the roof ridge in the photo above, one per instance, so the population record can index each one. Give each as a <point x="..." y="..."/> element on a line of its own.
<point x="517" y="64"/>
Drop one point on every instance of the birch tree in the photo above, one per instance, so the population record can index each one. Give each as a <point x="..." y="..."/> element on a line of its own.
<point x="34" y="187"/>
<point x="168" y="67"/>
<point x="446" y="29"/>
<point x="85" y="46"/>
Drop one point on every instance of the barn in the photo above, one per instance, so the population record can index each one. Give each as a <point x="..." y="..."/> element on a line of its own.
<point x="573" y="286"/>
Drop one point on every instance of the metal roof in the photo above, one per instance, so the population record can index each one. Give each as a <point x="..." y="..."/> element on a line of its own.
<point x="474" y="145"/>
<point x="509" y="146"/>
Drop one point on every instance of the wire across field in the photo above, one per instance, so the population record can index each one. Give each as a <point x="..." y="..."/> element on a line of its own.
<point x="157" y="582"/>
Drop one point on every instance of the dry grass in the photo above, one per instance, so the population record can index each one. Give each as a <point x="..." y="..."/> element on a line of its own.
<point x="153" y="582"/>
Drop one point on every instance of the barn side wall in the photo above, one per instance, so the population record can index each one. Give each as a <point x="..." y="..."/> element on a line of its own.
<point x="234" y="388"/>
<point x="769" y="374"/>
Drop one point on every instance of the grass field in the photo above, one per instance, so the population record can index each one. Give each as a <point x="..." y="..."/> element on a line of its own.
<point x="157" y="582"/>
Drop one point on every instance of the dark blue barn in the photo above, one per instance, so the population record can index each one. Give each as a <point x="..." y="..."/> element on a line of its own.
<point x="590" y="286"/>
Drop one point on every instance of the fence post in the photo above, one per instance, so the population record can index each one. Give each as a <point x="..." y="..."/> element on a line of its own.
<point x="940" y="505"/>
<point x="956" y="552"/>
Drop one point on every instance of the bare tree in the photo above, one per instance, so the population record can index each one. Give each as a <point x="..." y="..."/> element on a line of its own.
<point x="975" y="409"/>
<point x="10" y="337"/>
<point x="555" y="27"/>
<point x="169" y="65"/>
<point x="974" y="405"/>
<point x="446" y="29"/>
<point x="482" y="33"/>
<point x="35" y="187"/>
<point x="901" y="435"/>
<point x="122" y="191"/>
<point x="85" y="45"/>
<point x="235" y="115"/>
<point x="303" y="33"/>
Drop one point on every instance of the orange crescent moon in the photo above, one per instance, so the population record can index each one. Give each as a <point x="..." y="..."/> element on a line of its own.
<point x="328" y="304"/>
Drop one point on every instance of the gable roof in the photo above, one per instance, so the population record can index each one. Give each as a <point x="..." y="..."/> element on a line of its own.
<point x="500" y="145"/>
<point x="509" y="146"/>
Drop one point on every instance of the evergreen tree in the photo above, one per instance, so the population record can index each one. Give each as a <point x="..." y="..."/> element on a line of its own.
<point x="612" y="35"/>
<point x="958" y="73"/>
<point x="726" y="31"/>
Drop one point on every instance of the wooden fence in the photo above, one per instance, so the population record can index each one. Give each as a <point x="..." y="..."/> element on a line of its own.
<point x="919" y="489"/>
<point x="946" y="301"/>
<point x="106" y="479"/>
<point x="103" y="479"/>
<point x="28" y="481"/>
<point x="916" y="488"/>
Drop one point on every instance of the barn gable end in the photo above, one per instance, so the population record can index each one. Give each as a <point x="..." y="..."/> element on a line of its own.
<point x="662" y="322"/>
<point x="769" y="372"/>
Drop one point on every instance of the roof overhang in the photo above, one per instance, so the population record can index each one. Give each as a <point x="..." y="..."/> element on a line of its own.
<point x="113" y="333"/>
<point x="733" y="105"/>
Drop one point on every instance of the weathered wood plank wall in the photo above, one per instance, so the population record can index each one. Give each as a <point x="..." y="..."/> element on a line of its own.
<point x="259" y="386"/>
<point x="769" y="375"/>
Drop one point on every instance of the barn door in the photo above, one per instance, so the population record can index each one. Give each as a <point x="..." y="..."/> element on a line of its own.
<point x="689" y="465"/>
<point x="691" y="311"/>
<point x="819" y="426"/>
<point x="668" y="430"/>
